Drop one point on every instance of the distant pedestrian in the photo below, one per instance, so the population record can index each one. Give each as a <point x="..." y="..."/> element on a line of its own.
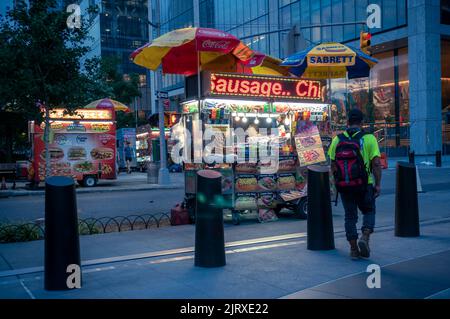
<point x="128" y="150"/>
<point x="355" y="163"/>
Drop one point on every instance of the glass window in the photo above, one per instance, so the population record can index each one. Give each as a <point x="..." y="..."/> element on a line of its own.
<point x="306" y="18"/>
<point x="401" y="12"/>
<point x="285" y="17"/>
<point x="337" y="17"/>
<point x="315" y="19"/>
<point x="295" y="13"/>
<point x="274" y="45"/>
<point x="389" y="14"/>
<point x="326" y="18"/>
<point x="262" y="6"/>
<point x="233" y="13"/>
<point x="382" y="84"/>
<point x="445" y="80"/>
<point x="284" y="2"/>
<point x="339" y="101"/>
<point x="283" y="44"/>
<point x="403" y="84"/>
<point x="240" y="11"/>
<point x="445" y="12"/>
<point x="445" y="76"/>
<point x="349" y="16"/>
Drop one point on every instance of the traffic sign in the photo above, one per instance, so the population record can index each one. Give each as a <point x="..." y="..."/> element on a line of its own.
<point x="162" y="95"/>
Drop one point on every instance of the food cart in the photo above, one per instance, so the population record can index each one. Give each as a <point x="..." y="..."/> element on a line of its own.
<point x="283" y="120"/>
<point x="147" y="145"/>
<point x="82" y="145"/>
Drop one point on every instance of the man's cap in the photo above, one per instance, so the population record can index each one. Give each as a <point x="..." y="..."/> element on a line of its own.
<point x="355" y="115"/>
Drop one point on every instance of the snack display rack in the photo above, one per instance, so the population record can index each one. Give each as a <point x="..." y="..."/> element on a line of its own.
<point x="266" y="171"/>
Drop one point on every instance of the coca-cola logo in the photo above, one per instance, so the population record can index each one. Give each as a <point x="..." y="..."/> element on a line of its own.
<point x="210" y="44"/>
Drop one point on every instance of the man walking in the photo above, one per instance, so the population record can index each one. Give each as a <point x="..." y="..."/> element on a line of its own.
<point x="128" y="150"/>
<point x="355" y="164"/>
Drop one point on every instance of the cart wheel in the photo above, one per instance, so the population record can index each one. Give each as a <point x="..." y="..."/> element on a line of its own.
<point x="236" y="218"/>
<point x="89" y="181"/>
<point x="277" y="210"/>
<point x="301" y="209"/>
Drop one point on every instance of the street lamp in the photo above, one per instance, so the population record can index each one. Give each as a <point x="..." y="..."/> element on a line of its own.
<point x="163" y="175"/>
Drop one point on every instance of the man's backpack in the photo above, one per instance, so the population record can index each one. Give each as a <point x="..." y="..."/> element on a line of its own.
<point x="350" y="174"/>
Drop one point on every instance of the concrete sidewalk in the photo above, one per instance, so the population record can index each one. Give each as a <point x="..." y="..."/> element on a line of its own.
<point x="130" y="182"/>
<point x="267" y="260"/>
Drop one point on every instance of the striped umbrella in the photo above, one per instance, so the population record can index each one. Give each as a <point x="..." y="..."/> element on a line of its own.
<point x="186" y="51"/>
<point x="330" y="60"/>
<point x="107" y="104"/>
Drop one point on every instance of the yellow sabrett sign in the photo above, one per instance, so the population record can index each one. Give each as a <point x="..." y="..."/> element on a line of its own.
<point x="331" y="54"/>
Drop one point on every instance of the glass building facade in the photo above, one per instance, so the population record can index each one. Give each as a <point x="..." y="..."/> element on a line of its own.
<point x="124" y="28"/>
<point x="390" y="101"/>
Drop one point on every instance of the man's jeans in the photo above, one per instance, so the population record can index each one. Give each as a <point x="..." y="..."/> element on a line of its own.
<point x="366" y="203"/>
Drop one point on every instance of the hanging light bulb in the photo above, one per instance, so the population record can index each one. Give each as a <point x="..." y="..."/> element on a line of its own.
<point x="256" y="120"/>
<point x="269" y="120"/>
<point x="244" y="119"/>
<point x="237" y="118"/>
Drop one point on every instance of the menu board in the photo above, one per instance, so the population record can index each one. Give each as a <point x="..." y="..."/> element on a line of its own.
<point x="77" y="155"/>
<point x="309" y="145"/>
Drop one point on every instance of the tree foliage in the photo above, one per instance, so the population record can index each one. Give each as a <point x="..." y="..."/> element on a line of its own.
<point x="40" y="61"/>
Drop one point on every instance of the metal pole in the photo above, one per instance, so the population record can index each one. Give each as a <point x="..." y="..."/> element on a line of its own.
<point x="163" y="177"/>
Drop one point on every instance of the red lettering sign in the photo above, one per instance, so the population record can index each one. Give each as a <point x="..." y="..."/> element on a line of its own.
<point x="267" y="87"/>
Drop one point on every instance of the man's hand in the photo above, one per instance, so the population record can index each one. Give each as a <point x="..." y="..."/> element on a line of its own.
<point x="377" y="191"/>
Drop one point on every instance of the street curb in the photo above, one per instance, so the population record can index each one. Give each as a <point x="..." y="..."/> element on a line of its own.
<point x="93" y="190"/>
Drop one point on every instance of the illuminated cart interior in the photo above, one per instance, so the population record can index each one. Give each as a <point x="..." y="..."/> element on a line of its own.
<point x="260" y="132"/>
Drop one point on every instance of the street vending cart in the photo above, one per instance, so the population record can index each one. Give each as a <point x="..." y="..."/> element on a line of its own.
<point x="147" y="145"/>
<point x="82" y="145"/>
<point x="260" y="132"/>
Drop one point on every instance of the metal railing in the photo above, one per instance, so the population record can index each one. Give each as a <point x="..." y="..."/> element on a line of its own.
<point x="89" y="226"/>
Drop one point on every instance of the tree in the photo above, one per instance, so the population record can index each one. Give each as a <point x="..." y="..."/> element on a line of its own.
<point x="39" y="62"/>
<point x="103" y="71"/>
<point x="40" y="65"/>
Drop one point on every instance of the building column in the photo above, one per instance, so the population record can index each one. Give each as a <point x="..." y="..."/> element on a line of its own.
<point x="424" y="55"/>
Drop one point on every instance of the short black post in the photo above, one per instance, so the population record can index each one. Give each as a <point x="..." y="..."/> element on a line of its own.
<point x="62" y="246"/>
<point x="406" y="202"/>
<point x="438" y="158"/>
<point x="411" y="157"/>
<point x="320" y="220"/>
<point x="209" y="233"/>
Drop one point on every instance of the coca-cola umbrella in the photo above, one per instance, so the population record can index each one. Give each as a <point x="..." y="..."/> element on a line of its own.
<point x="187" y="51"/>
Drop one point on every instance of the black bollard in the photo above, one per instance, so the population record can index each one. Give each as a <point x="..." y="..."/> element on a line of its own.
<point x="209" y="234"/>
<point x="62" y="246"/>
<point x="438" y="159"/>
<point x="320" y="220"/>
<point x="406" y="203"/>
<point x="411" y="157"/>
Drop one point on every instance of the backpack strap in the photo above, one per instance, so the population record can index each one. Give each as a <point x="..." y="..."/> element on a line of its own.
<point x="359" y="135"/>
<point x="343" y="137"/>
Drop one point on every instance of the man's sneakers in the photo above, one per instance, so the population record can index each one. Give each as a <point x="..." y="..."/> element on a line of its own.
<point x="354" y="251"/>
<point x="363" y="244"/>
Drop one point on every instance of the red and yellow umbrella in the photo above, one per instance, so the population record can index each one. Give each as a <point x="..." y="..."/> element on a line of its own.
<point x="185" y="51"/>
<point x="107" y="104"/>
